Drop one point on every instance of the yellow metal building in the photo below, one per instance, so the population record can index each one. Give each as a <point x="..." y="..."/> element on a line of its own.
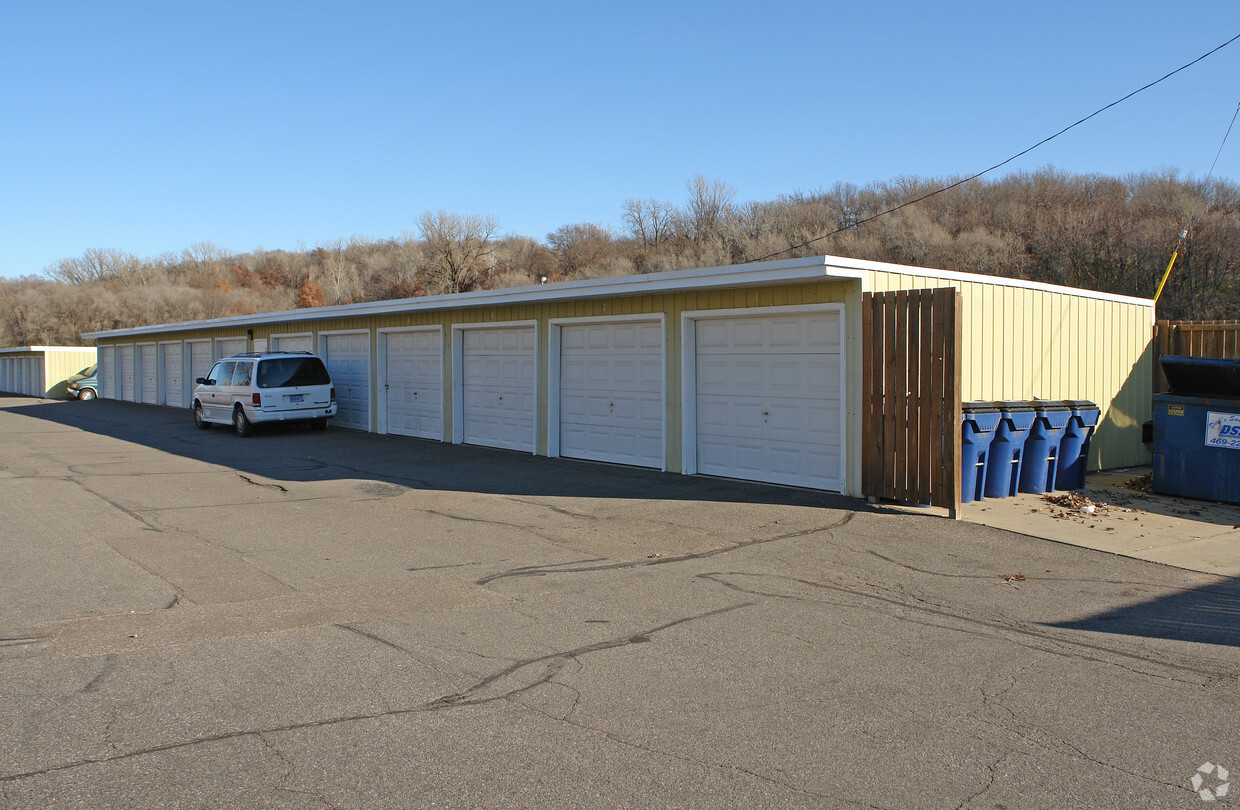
<point x="42" y="371"/>
<point x="747" y="371"/>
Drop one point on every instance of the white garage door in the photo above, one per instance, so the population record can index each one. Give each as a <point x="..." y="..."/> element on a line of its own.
<point x="348" y="361"/>
<point x="199" y="360"/>
<point x="769" y="399"/>
<point x="107" y="372"/>
<point x="611" y="392"/>
<point x="174" y="380"/>
<point x="414" y="384"/>
<point x="291" y="343"/>
<point x="227" y="347"/>
<point x="127" y="375"/>
<point x="497" y="387"/>
<point x="147" y="374"/>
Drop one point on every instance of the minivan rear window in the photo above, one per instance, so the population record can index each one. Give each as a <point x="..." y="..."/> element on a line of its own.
<point x="286" y="372"/>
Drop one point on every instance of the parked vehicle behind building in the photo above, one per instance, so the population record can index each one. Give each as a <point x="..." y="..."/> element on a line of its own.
<point x="251" y="389"/>
<point x="85" y="384"/>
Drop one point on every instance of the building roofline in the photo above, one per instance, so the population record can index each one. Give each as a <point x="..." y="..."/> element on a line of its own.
<point x="17" y="349"/>
<point x="1001" y="281"/>
<point x="737" y="275"/>
<point x="787" y="271"/>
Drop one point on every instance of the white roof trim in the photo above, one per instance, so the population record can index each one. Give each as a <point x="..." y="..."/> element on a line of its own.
<point x="738" y="275"/>
<point x="754" y="274"/>
<point x="27" y="349"/>
<point x="981" y="278"/>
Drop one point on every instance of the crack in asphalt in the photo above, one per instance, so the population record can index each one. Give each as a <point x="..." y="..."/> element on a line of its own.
<point x="111" y="502"/>
<point x="558" y="568"/>
<point x="990" y="782"/>
<point x="250" y="480"/>
<point x="467" y="697"/>
<point x="556" y="660"/>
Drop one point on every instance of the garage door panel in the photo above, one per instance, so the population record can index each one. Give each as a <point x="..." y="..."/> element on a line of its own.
<point x="498" y="398"/>
<point x="199" y="360"/>
<point x="107" y="372"/>
<point x="774" y="376"/>
<point x="227" y="347"/>
<point x="769" y="399"/>
<point x="775" y="462"/>
<point x="127" y="373"/>
<point x="414" y="384"/>
<point x="348" y="362"/>
<point x="611" y="392"/>
<point x="300" y="343"/>
<point x="593" y="373"/>
<point x="147" y="372"/>
<point x="174" y="379"/>
<point x="797" y="334"/>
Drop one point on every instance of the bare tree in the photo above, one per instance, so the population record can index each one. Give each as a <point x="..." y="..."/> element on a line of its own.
<point x="579" y="246"/>
<point x="650" y="221"/>
<point x="457" y="250"/>
<point x="97" y="264"/>
<point x="709" y="203"/>
<point x="337" y="276"/>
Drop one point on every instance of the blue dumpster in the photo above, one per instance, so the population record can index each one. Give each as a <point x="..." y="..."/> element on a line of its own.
<point x="1007" y="449"/>
<point x="978" y="423"/>
<point x="1041" y="462"/>
<point x="1074" y="448"/>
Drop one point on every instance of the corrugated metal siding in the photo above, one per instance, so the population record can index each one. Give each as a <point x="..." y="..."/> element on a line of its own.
<point x="1022" y="343"/>
<point x="43" y="372"/>
<point x="61" y="365"/>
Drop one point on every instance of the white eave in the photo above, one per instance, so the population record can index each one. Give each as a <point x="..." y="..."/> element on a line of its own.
<point x="30" y="349"/>
<point x="757" y="274"/>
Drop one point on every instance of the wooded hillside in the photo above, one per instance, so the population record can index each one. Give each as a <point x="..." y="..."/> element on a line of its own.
<point x="1100" y="233"/>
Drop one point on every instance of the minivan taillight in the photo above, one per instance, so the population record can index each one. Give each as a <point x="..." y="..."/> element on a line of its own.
<point x="333" y="393"/>
<point x="256" y="399"/>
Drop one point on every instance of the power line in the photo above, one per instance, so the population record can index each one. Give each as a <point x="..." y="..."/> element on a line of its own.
<point x="1022" y="153"/>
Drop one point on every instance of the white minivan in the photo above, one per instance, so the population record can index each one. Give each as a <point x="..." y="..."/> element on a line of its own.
<point x="249" y="389"/>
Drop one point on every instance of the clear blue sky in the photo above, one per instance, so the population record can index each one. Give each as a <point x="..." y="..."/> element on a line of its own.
<point x="149" y="127"/>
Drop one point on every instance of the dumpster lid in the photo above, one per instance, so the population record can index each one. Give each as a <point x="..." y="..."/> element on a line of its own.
<point x="1081" y="405"/>
<point x="1013" y="406"/>
<point x="1204" y="376"/>
<point x="1049" y="405"/>
<point x="980" y="406"/>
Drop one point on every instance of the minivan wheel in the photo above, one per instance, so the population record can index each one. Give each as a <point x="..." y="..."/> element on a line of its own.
<point x="241" y="422"/>
<point x="86" y="394"/>
<point x="198" y="420"/>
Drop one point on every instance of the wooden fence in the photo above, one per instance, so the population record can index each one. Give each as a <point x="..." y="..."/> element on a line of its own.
<point x="1193" y="339"/>
<point x="911" y="396"/>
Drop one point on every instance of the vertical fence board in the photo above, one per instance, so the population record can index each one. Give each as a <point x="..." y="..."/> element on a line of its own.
<point x="911" y="414"/>
<point x="1193" y="339"/>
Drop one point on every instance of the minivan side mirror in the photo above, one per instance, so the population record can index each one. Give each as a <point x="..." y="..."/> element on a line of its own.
<point x="201" y="381"/>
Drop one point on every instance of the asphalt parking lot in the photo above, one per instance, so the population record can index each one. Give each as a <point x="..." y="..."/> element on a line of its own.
<point x="298" y="619"/>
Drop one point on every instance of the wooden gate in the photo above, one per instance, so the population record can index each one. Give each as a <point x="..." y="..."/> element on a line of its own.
<point x="911" y="396"/>
<point x="1193" y="339"/>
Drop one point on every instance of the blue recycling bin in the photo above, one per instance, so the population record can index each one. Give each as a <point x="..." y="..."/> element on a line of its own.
<point x="1041" y="461"/>
<point x="1007" y="449"/>
<point x="977" y="429"/>
<point x="1074" y="447"/>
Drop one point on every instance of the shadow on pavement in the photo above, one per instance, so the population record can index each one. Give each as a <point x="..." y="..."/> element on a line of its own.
<point x="292" y="453"/>
<point x="1209" y="614"/>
